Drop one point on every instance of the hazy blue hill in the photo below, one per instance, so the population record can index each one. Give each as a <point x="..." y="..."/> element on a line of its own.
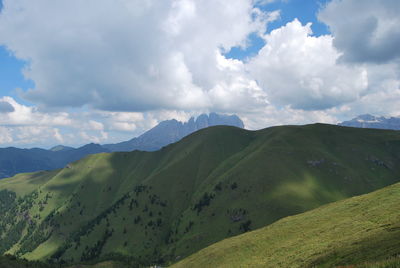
<point x="14" y="160"/>
<point x="161" y="206"/>
<point x="370" y="121"/>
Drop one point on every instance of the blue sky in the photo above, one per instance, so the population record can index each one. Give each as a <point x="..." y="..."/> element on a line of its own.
<point x="11" y="75"/>
<point x="304" y="10"/>
<point x="105" y="71"/>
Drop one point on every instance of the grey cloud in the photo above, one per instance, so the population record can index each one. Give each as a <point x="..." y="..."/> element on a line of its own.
<point x="6" y="107"/>
<point x="365" y="31"/>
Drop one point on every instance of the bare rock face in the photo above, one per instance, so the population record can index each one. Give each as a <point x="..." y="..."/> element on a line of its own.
<point x="370" y="121"/>
<point x="171" y="131"/>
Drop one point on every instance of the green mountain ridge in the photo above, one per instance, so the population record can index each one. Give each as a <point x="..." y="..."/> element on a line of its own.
<point x="159" y="207"/>
<point x="362" y="229"/>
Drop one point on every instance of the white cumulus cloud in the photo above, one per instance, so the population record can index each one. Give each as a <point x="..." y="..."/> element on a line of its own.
<point x="300" y="70"/>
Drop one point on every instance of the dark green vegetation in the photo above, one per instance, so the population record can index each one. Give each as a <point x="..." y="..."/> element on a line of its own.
<point x="9" y="261"/>
<point x="159" y="207"/>
<point x="363" y="229"/>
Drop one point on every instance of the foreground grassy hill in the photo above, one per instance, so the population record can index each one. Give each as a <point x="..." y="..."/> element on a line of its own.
<point x="363" y="229"/>
<point x="159" y="207"/>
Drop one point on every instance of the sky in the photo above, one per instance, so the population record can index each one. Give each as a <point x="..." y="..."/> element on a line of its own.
<point x="104" y="71"/>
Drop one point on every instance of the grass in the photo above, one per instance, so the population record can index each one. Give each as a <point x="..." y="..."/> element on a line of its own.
<point x="25" y="183"/>
<point x="346" y="233"/>
<point x="158" y="207"/>
<point x="393" y="262"/>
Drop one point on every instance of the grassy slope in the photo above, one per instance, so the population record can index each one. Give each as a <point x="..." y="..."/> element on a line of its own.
<point x="356" y="230"/>
<point x="25" y="183"/>
<point x="95" y="207"/>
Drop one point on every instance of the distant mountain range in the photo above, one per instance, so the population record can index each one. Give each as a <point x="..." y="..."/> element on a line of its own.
<point x="14" y="160"/>
<point x="370" y="121"/>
